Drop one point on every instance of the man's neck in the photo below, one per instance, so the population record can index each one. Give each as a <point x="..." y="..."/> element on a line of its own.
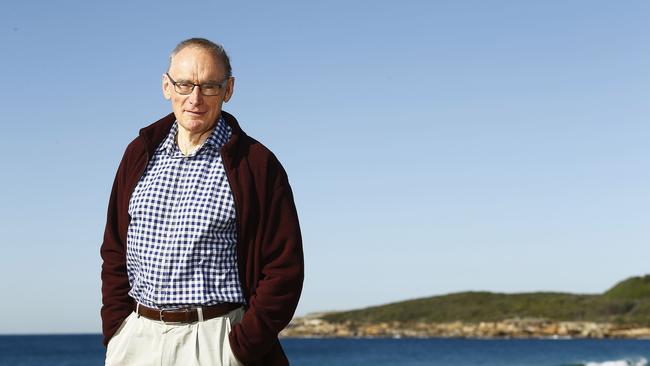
<point x="188" y="142"/>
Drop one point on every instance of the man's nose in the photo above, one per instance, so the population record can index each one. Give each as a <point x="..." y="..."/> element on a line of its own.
<point x="195" y="96"/>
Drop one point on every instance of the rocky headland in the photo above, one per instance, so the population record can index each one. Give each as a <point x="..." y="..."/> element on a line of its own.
<point x="623" y="311"/>
<point x="314" y="326"/>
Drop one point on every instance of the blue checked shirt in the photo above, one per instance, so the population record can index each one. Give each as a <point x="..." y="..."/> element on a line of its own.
<point x="181" y="240"/>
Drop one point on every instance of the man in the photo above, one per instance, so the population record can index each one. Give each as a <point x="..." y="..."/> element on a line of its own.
<point x="202" y="253"/>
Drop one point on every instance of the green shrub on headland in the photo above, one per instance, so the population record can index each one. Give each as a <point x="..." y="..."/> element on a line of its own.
<point x="635" y="288"/>
<point x="628" y="302"/>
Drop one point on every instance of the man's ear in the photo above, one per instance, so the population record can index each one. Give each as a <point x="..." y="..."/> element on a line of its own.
<point x="166" y="87"/>
<point x="230" y="88"/>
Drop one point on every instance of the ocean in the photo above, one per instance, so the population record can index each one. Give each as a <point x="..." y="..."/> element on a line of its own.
<point x="86" y="350"/>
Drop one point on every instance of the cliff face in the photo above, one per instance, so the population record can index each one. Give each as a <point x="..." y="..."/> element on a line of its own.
<point x="314" y="326"/>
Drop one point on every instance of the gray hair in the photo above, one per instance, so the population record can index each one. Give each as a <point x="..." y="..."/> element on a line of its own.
<point x="215" y="49"/>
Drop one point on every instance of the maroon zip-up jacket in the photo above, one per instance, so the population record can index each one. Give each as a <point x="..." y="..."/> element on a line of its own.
<point x="269" y="247"/>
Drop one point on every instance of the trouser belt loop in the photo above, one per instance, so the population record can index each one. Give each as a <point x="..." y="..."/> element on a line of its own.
<point x="137" y="308"/>
<point x="199" y="312"/>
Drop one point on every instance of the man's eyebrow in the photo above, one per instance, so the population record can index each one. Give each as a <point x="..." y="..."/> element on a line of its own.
<point x="212" y="82"/>
<point x="204" y="82"/>
<point x="179" y="80"/>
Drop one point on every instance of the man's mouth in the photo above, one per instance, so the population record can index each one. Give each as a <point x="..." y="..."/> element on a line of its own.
<point x="196" y="113"/>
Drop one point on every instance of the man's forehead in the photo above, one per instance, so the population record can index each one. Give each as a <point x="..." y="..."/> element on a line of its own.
<point x="191" y="61"/>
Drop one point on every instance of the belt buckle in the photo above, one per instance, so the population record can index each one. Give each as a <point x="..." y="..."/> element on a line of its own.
<point x="162" y="318"/>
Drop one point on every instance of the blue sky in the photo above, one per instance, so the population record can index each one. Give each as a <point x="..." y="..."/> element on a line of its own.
<point x="433" y="147"/>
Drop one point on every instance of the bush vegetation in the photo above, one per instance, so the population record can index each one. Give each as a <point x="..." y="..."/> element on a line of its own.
<point x="628" y="302"/>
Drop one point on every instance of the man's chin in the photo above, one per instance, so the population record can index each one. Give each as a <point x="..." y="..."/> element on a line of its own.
<point x="195" y="124"/>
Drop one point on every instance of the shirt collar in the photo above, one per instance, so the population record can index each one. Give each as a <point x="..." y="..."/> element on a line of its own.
<point x="218" y="137"/>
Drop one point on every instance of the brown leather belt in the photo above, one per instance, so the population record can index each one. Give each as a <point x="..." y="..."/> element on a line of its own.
<point x="188" y="315"/>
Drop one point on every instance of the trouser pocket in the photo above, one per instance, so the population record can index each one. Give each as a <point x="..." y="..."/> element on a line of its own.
<point x="115" y="348"/>
<point x="231" y="319"/>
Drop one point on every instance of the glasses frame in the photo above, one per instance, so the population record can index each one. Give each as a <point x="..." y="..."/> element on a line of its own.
<point x="221" y="85"/>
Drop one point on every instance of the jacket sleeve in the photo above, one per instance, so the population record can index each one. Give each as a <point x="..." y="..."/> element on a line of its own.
<point x="116" y="303"/>
<point x="276" y="296"/>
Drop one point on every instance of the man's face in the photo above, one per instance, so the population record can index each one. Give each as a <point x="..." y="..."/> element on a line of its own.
<point x="195" y="112"/>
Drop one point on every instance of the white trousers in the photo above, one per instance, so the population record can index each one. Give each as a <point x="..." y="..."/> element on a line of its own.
<point x="144" y="342"/>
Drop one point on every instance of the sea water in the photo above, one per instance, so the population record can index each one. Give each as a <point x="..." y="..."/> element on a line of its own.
<point x="72" y="350"/>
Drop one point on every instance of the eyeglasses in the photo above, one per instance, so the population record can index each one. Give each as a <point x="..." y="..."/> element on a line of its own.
<point x="207" y="89"/>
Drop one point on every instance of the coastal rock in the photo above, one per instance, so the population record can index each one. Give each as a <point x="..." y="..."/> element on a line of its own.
<point x="314" y="326"/>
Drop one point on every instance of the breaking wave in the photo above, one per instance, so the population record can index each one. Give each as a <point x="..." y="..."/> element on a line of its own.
<point x="629" y="362"/>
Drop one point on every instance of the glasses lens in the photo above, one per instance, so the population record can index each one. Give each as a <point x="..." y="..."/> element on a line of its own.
<point x="184" y="88"/>
<point x="210" y="89"/>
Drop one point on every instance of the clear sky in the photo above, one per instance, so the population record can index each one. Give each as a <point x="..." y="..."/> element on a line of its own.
<point x="432" y="146"/>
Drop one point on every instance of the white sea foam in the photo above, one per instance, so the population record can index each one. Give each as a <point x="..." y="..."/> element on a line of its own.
<point x="640" y="362"/>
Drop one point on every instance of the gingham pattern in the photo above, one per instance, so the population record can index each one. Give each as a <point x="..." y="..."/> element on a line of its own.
<point x="181" y="241"/>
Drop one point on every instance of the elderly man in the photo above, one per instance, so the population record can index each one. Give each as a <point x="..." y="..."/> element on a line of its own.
<point x="202" y="253"/>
